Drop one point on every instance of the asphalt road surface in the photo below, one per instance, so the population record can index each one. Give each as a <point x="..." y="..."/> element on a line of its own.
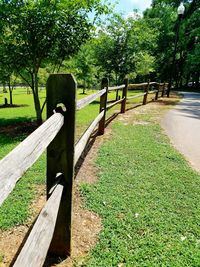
<point x="182" y="125"/>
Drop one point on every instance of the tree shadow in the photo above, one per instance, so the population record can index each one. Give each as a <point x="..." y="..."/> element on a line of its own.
<point x="14" y="121"/>
<point x="190" y="106"/>
<point x="17" y="127"/>
<point x="13" y="106"/>
<point x="167" y="102"/>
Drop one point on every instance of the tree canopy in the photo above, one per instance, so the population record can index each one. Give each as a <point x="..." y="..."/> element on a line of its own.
<point x="34" y="33"/>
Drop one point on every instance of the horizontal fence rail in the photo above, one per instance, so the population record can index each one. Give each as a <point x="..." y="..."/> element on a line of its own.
<point x="136" y="85"/>
<point x="114" y="88"/>
<point x="135" y="96"/>
<point x="114" y="103"/>
<point x="80" y="146"/>
<point x="34" y="252"/>
<point x="17" y="162"/>
<point x="89" y="99"/>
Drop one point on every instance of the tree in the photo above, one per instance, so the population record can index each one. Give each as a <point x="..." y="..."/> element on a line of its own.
<point x="84" y="66"/>
<point x="186" y="59"/>
<point x="123" y="44"/>
<point x="7" y="78"/>
<point x="34" y="33"/>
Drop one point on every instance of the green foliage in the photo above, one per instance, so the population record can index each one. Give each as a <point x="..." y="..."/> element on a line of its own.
<point x="186" y="65"/>
<point x="128" y="40"/>
<point x="147" y="198"/>
<point x="192" y="27"/>
<point x="145" y="65"/>
<point x="34" y="33"/>
<point x="83" y="66"/>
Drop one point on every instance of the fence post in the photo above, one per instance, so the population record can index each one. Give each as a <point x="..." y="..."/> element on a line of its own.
<point x="117" y="95"/>
<point x="163" y="90"/>
<point x="61" y="88"/>
<point x="157" y="93"/>
<point x="146" y="95"/>
<point x="103" y="102"/>
<point x="124" y="95"/>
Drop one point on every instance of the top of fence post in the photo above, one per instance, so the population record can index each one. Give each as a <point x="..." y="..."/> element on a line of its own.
<point x="61" y="89"/>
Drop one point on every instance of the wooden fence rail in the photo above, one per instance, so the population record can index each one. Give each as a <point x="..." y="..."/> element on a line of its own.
<point x="34" y="252"/>
<point x="17" y="162"/>
<point x="51" y="232"/>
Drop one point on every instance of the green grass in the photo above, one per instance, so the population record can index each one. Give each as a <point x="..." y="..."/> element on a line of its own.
<point x="147" y="195"/>
<point x="18" y="114"/>
<point x="148" y="198"/>
<point x="16" y="209"/>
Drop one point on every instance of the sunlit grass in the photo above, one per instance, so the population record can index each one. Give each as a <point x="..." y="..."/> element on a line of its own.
<point x="148" y="198"/>
<point x="16" y="210"/>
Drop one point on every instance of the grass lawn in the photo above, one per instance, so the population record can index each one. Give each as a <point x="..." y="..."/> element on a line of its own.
<point x="148" y="198"/>
<point x="15" y="209"/>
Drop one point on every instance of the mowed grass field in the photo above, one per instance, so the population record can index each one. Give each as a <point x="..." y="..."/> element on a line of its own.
<point x="15" y="209"/>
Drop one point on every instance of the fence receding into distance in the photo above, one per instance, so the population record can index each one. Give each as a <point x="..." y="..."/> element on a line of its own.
<point x="51" y="232"/>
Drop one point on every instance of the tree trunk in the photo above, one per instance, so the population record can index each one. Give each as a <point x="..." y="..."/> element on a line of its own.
<point x="10" y="92"/>
<point x="84" y="87"/>
<point x="36" y="98"/>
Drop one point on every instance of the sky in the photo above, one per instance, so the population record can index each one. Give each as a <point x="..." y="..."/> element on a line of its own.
<point x="127" y="6"/>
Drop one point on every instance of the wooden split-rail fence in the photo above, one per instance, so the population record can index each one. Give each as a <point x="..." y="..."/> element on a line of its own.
<point x="51" y="233"/>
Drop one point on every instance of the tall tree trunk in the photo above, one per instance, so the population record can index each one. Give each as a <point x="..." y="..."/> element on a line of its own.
<point x="10" y="91"/>
<point x="84" y="86"/>
<point x="36" y="98"/>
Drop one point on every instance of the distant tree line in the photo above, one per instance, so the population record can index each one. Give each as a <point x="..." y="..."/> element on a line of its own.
<point x="40" y="37"/>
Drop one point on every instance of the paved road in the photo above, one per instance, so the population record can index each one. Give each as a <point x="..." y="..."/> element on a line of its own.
<point x="182" y="124"/>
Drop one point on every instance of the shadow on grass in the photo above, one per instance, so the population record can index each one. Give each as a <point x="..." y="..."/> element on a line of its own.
<point x="14" y="121"/>
<point x="13" y="106"/>
<point x="16" y="128"/>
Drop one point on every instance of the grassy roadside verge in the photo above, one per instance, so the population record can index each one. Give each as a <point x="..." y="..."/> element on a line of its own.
<point x="148" y="198"/>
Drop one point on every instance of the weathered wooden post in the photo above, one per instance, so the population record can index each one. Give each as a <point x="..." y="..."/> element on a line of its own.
<point x="163" y="90"/>
<point x="124" y="95"/>
<point x="103" y="102"/>
<point x="146" y="91"/>
<point x="61" y="89"/>
<point x="157" y="89"/>
<point x="117" y="95"/>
